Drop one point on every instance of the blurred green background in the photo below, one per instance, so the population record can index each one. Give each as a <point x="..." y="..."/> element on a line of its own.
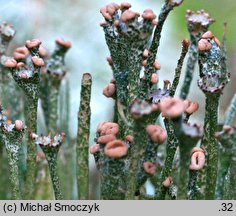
<point x="78" y="22"/>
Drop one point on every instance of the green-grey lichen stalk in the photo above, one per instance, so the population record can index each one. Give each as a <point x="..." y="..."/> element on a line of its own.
<point x="212" y="81"/>
<point x="83" y="137"/>
<point x="55" y="71"/>
<point x="27" y="77"/>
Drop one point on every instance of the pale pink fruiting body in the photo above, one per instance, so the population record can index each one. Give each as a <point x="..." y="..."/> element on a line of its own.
<point x="148" y="14"/>
<point x="129" y="138"/>
<point x="108" y="128"/>
<point x="125" y="6"/>
<point x="172" y="107"/>
<point x="94" y="148"/>
<point x="156" y="65"/>
<point x="156" y="133"/>
<point x="167" y="182"/>
<point x="154" y="78"/>
<point x="116" y="149"/>
<point x="227" y="128"/>
<point x="32" y="43"/>
<point x="191" y="107"/>
<point x="19" y="125"/>
<point x="63" y="43"/>
<point x="204" y="45"/>
<point x="104" y="139"/>
<point x="149" y="168"/>
<point x="208" y="35"/>
<point x="10" y="63"/>
<point x="23" y="76"/>
<point x="197" y="160"/>
<point x="109" y="90"/>
<point x="37" y="61"/>
<point x="128" y="15"/>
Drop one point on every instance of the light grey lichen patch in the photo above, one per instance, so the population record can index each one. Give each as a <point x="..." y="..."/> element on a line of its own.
<point x="47" y="141"/>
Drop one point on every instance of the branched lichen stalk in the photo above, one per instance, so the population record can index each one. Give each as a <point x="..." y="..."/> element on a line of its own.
<point x="212" y="82"/>
<point x="27" y="77"/>
<point x="83" y="137"/>
<point x="140" y="110"/>
<point x="126" y="37"/>
<point x="54" y="73"/>
<point x="197" y="22"/>
<point x="149" y="69"/>
<point x="172" y="141"/>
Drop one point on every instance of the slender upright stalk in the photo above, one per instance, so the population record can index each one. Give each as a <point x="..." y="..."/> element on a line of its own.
<point x="210" y="143"/>
<point x="149" y="69"/>
<point x="83" y="138"/>
<point x="231" y="111"/>
<point x="185" y="45"/>
<point x="172" y="144"/>
<point x="31" y="122"/>
<point x="52" y="163"/>
<point x="140" y="110"/>
<point x="172" y="141"/>
<point x="232" y="174"/>
<point x="192" y="185"/>
<point x="225" y="151"/>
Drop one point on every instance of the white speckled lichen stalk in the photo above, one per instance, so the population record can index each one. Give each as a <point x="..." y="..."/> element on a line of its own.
<point x="11" y="136"/>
